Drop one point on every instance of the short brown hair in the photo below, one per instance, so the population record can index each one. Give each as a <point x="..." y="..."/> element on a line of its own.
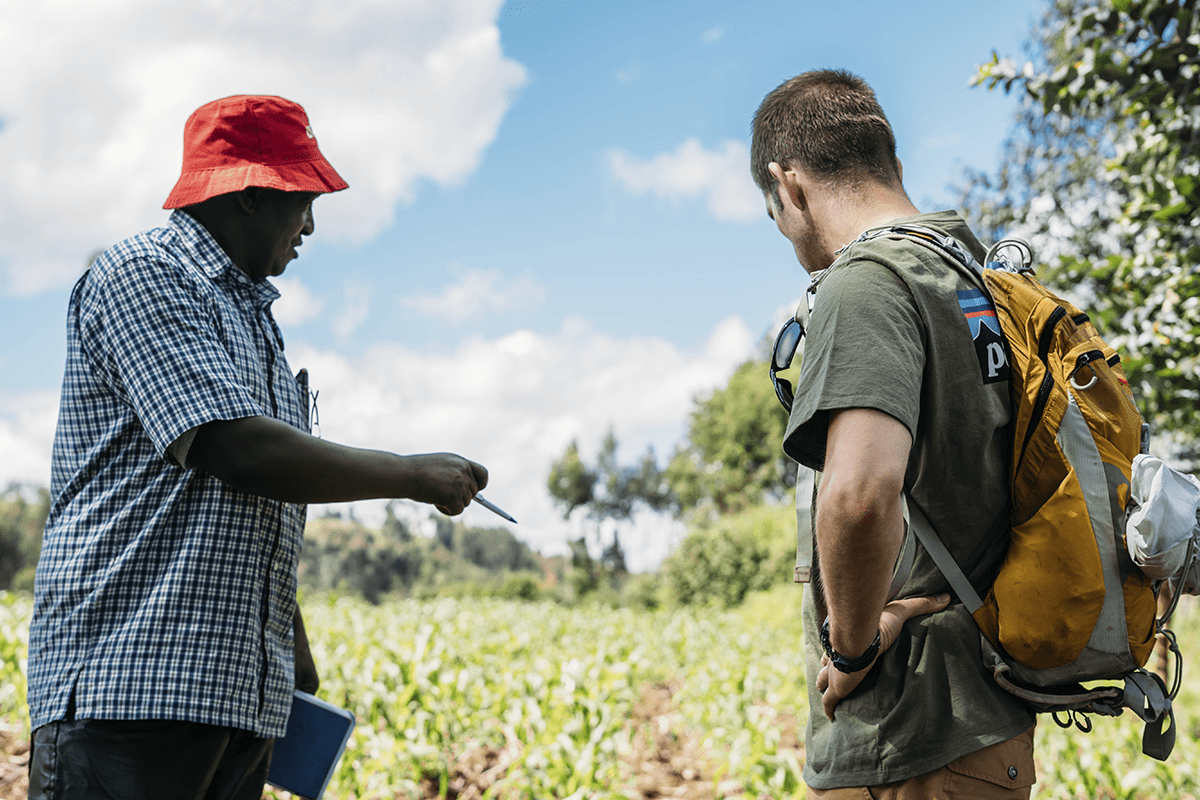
<point x="828" y="123"/>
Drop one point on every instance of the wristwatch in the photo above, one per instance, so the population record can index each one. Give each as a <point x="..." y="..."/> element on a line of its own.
<point x="839" y="661"/>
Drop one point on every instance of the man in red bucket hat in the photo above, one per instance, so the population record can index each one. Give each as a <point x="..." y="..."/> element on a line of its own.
<point x="166" y="640"/>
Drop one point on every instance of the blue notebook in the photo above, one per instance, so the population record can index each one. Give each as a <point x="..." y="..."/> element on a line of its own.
<point x="303" y="761"/>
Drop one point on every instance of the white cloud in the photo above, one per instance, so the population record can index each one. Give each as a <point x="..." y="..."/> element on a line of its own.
<point x="96" y="92"/>
<point x="356" y="307"/>
<point x="712" y="35"/>
<point x="720" y="177"/>
<point x="512" y="403"/>
<point x="476" y="292"/>
<point x="27" y="423"/>
<point x="296" y="304"/>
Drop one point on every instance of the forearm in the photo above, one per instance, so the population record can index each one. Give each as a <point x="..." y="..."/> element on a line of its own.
<point x="857" y="539"/>
<point x="860" y="522"/>
<point x="269" y="458"/>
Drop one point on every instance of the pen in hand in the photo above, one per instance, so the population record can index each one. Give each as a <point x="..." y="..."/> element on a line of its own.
<point x="495" y="509"/>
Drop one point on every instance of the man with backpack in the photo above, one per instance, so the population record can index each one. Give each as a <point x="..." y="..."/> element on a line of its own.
<point x="903" y="401"/>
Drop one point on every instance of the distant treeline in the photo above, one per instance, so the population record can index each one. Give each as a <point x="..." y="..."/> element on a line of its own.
<point x="344" y="555"/>
<point x="719" y="560"/>
<point x="340" y="554"/>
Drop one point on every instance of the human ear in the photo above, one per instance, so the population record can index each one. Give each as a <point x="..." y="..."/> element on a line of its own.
<point x="248" y="199"/>
<point x="788" y="188"/>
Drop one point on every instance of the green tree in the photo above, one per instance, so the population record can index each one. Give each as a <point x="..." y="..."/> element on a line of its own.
<point x="612" y="560"/>
<point x="22" y="521"/>
<point x="1123" y="78"/>
<point x="608" y="491"/>
<point x="395" y="529"/>
<point x="494" y="549"/>
<point x="443" y="531"/>
<point x="720" y="562"/>
<point x="572" y="485"/>
<point x="347" y="556"/>
<point x="585" y="572"/>
<point x="733" y="458"/>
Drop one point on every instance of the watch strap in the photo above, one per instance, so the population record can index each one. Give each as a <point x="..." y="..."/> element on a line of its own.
<point x="841" y="662"/>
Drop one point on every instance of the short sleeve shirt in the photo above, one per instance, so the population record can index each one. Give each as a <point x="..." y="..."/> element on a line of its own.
<point x="897" y="328"/>
<point x="162" y="593"/>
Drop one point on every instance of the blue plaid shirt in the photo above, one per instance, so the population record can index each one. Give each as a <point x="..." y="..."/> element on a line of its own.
<point x="162" y="593"/>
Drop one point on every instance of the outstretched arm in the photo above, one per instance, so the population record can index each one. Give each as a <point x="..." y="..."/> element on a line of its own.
<point x="272" y="459"/>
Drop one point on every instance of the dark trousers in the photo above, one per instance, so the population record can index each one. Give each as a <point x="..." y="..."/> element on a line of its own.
<point x="91" y="759"/>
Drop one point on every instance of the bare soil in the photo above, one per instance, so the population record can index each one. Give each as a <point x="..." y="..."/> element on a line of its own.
<point x="14" y="765"/>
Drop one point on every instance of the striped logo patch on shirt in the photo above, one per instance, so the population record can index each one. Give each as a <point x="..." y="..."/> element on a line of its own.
<point x="990" y="348"/>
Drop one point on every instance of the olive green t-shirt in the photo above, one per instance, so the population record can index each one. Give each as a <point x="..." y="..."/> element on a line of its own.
<point x="897" y="328"/>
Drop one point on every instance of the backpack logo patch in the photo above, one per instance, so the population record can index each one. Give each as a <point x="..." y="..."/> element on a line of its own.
<point x="985" y="332"/>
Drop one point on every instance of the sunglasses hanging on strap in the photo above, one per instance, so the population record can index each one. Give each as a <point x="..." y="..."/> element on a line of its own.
<point x="790" y="336"/>
<point x="786" y="344"/>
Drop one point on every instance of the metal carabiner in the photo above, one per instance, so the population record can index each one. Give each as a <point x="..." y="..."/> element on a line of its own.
<point x="1075" y="384"/>
<point x="1085" y="360"/>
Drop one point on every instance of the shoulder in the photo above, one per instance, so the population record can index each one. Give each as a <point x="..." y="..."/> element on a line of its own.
<point x="865" y="285"/>
<point x="887" y="267"/>
<point x="862" y="270"/>
<point x="140" y="269"/>
<point x="907" y="256"/>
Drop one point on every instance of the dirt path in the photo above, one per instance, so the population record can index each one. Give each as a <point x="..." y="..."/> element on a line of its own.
<point x="667" y="758"/>
<point x="14" y="765"/>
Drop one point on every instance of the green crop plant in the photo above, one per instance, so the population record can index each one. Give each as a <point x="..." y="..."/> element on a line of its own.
<point x="508" y="699"/>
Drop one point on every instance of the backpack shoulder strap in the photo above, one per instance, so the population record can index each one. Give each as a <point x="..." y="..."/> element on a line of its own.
<point x="920" y="527"/>
<point x="945" y="246"/>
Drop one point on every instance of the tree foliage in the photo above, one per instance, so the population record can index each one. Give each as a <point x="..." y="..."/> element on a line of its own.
<point x="571" y="483"/>
<point x="609" y="491"/>
<point x="721" y="562"/>
<point x="1104" y="174"/>
<point x="733" y="456"/>
<point x="23" y="515"/>
<point x="346" y="556"/>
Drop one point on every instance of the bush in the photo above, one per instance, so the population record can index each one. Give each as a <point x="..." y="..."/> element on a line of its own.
<point x="722" y="561"/>
<point x="23" y="512"/>
<point x="520" y="586"/>
<point x="645" y="590"/>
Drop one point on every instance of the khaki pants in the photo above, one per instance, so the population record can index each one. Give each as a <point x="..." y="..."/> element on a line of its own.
<point x="1002" y="771"/>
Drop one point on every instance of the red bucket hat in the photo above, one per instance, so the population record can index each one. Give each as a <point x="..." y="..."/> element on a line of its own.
<point x="248" y="140"/>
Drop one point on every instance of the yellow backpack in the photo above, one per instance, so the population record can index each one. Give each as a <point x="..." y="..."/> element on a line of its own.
<point x="1068" y="605"/>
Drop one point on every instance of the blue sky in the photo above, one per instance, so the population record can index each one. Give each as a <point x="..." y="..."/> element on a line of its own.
<point x="550" y="227"/>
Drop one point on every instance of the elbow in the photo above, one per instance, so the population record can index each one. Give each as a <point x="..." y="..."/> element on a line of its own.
<point x="240" y="453"/>
<point x="859" y="501"/>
